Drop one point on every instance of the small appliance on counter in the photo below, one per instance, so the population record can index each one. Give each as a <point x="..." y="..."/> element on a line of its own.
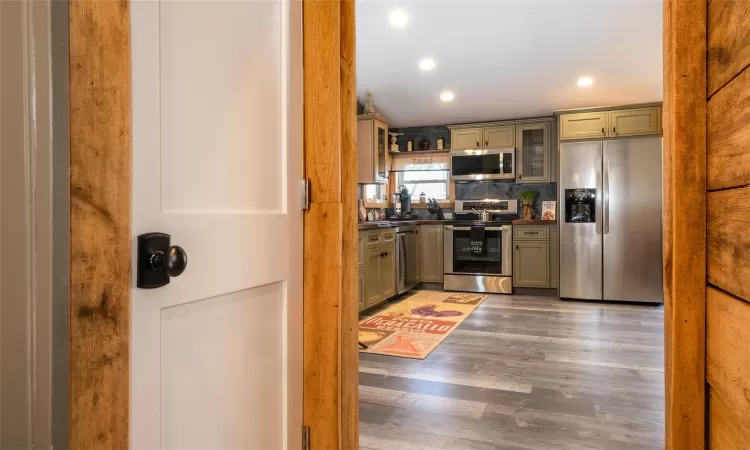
<point x="478" y="251"/>
<point x="405" y="200"/>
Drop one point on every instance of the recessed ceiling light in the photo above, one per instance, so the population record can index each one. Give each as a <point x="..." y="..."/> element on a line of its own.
<point x="398" y="17"/>
<point x="447" y="96"/>
<point x="585" y="81"/>
<point x="427" y="64"/>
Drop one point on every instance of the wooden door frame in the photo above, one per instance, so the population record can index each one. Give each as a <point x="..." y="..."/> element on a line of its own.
<point x="100" y="154"/>
<point x="100" y="239"/>
<point x="685" y="222"/>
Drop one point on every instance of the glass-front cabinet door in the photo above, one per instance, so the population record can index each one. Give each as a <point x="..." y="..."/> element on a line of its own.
<point x="381" y="152"/>
<point x="534" y="162"/>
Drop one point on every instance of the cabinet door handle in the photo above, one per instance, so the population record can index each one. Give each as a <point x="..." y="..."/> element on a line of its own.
<point x="602" y="130"/>
<point x="486" y="143"/>
<point x="614" y="130"/>
<point x="477" y="143"/>
<point x="516" y="246"/>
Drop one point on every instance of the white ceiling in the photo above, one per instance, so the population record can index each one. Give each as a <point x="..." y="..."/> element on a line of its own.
<point x="507" y="59"/>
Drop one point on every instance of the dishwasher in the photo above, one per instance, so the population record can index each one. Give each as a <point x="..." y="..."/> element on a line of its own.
<point x="406" y="258"/>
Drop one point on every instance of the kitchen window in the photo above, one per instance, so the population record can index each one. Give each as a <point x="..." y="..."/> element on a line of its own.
<point x="374" y="195"/>
<point x="434" y="183"/>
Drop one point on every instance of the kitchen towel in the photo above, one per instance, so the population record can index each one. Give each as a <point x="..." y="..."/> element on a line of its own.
<point x="477" y="241"/>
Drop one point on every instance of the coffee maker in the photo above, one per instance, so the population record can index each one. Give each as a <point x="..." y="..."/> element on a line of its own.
<point x="405" y="199"/>
<point x="401" y="206"/>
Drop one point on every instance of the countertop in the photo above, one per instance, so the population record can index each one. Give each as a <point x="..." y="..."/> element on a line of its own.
<point x="397" y="223"/>
<point x="534" y="222"/>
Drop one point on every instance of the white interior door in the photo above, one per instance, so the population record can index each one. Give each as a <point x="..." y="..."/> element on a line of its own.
<point x="216" y="355"/>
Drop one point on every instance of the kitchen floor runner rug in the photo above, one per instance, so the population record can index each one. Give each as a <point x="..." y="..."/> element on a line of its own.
<point x="415" y="326"/>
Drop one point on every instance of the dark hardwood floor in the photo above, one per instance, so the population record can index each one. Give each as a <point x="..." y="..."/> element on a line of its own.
<point x="525" y="373"/>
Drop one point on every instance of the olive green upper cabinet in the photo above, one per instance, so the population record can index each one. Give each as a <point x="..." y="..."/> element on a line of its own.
<point x="635" y="122"/>
<point x="498" y="137"/>
<point x="372" y="149"/>
<point x="466" y="138"/>
<point x="611" y="124"/>
<point x="431" y="237"/>
<point x="534" y="158"/>
<point x="583" y="126"/>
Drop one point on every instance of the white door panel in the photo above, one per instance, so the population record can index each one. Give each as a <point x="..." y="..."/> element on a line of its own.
<point x="216" y="355"/>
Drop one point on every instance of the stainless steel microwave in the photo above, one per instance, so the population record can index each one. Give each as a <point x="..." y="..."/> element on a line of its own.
<point x="477" y="165"/>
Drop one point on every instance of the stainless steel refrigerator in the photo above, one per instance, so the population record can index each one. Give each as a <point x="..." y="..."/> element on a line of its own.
<point x="610" y="203"/>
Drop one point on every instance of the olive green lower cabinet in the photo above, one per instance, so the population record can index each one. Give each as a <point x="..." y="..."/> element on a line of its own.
<point x="377" y="277"/>
<point x="535" y="256"/>
<point x="431" y="252"/>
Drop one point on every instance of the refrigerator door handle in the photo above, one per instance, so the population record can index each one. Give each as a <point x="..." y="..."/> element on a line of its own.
<point x="605" y="196"/>
<point x="599" y="194"/>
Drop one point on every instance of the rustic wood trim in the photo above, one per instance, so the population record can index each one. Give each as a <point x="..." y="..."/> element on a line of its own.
<point x="350" y="238"/>
<point x="728" y="141"/>
<point x="321" y="56"/>
<point x="685" y="222"/>
<point x="725" y="432"/>
<point x="727" y="356"/>
<point x="728" y="35"/>
<point x="331" y="360"/>
<point x="728" y="239"/>
<point x="100" y="178"/>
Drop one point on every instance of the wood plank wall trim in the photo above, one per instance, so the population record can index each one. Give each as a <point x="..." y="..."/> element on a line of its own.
<point x="729" y="134"/>
<point x="728" y="41"/>
<point x="685" y="222"/>
<point x="100" y="177"/>
<point x="330" y="255"/>
<point x="728" y="367"/>
<point x="724" y="430"/>
<point x="729" y="241"/>
<point x="350" y="218"/>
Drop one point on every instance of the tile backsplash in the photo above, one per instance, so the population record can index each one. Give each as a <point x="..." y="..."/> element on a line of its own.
<point x="505" y="190"/>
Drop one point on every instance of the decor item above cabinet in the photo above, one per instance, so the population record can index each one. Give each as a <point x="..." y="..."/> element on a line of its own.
<point x="372" y="149"/>
<point x="610" y="124"/>
<point x="533" y="155"/>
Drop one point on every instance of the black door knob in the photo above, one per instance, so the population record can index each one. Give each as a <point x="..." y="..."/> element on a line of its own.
<point x="158" y="260"/>
<point x="173" y="261"/>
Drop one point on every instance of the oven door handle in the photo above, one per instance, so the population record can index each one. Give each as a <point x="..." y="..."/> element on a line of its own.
<point x="503" y="228"/>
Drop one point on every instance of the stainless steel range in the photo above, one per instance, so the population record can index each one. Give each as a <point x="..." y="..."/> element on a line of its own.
<point x="478" y="255"/>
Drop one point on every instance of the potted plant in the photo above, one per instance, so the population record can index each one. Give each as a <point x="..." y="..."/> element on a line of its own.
<point x="528" y="198"/>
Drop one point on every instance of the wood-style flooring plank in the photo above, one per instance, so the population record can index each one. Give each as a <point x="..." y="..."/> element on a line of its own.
<point x="592" y="375"/>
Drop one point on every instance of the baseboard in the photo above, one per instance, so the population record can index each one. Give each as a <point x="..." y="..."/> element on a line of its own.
<point x="535" y="291"/>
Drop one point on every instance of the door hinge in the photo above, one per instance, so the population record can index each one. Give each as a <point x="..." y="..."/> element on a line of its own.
<point x="304" y="187"/>
<point x="305" y="438"/>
